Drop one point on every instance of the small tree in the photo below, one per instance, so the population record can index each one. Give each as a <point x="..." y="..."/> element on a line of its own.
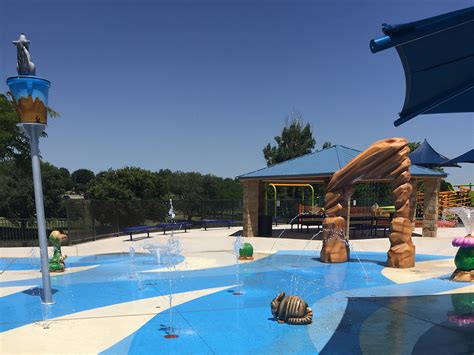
<point x="327" y="145"/>
<point x="295" y="140"/>
<point x="413" y="145"/>
<point x="80" y="179"/>
<point x="14" y="144"/>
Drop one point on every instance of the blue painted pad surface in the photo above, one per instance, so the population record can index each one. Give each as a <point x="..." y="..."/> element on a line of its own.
<point x="351" y="294"/>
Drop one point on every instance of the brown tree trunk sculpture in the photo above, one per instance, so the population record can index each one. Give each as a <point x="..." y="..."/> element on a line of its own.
<point x="385" y="159"/>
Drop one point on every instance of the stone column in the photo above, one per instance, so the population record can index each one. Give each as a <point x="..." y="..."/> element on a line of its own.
<point x="413" y="199"/>
<point x="430" y="209"/>
<point x="253" y="206"/>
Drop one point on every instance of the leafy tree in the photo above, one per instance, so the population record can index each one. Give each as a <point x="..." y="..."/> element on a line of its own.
<point x="16" y="190"/>
<point x="295" y="140"/>
<point x="230" y="189"/>
<point x="14" y="144"/>
<point x="128" y="183"/>
<point x="187" y="191"/>
<point x="327" y="145"/>
<point x="413" y="145"/>
<point x="131" y="186"/>
<point x="80" y="179"/>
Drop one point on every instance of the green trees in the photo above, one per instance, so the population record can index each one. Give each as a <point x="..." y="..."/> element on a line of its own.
<point x="413" y="145"/>
<point x="327" y="145"/>
<point x="295" y="140"/>
<point x="14" y="145"/>
<point x="187" y="189"/>
<point x="132" y="183"/>
<point x="128" y="183"/>
<point x="80" y="179"/>
<point x="16" y="190"/>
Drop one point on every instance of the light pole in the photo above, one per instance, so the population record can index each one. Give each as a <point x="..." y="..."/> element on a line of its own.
<point x="30" y="96"/>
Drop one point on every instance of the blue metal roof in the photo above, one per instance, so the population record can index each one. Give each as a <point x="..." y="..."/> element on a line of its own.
<point x="437" y="54"/>
<point x="322" y="163"/>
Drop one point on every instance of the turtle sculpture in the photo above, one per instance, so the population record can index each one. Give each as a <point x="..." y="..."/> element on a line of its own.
<point x="56" y="263"/>
<point x="291" y="310"/>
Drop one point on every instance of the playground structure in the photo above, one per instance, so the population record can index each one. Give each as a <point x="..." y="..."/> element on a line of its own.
<point x="385" y="159"/>
<point x="319" y="168"/>
<point x="275" y="200"/>
<point x="461" y="196"/>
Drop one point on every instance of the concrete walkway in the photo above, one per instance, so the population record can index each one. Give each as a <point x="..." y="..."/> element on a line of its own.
<point x="220" y="239"/>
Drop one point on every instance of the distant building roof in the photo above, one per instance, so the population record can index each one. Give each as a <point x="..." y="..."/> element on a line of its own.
<point x="323" y="163"/>
<point x="426" y="156"/>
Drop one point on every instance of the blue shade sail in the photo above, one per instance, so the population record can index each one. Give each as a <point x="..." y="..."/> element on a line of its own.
<point x="437" y="55"/>
<point x="426" y="156"/>
<point x="467" y="157"/>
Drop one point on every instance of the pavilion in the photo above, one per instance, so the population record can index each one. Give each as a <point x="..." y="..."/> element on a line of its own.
<point x="318" y="168"/>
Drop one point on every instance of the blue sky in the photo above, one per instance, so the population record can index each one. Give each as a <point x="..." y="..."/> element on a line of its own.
<point x="205" y="85"/>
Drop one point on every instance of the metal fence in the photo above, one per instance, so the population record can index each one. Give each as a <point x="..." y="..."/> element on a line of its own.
<point x="89" y="220"/>
<point x="22" y="232"/>
<point x="92" y="219"/>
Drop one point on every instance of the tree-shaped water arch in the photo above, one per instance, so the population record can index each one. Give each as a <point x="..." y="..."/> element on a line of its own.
<point x="386" y="159"/>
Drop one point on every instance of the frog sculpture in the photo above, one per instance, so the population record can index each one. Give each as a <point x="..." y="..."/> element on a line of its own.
<point x="56" y="263"/>
<point x="291" y="310"/>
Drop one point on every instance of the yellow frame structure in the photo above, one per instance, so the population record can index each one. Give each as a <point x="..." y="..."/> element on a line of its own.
<point x="290" y="185"/>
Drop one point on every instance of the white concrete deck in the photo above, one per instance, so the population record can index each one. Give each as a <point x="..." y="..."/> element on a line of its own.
<point x="218" y="239"/>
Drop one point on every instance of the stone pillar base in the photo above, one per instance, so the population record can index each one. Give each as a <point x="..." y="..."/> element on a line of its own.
<point x="463" y="276"/>
<point x="401" y="256"/>
<point x="402" y="250"/>
<point x="335" y="248"/>
<point x="335" y="251"/>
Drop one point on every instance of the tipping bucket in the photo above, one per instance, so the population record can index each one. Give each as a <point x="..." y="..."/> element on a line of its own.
<point x="30" y="95"/>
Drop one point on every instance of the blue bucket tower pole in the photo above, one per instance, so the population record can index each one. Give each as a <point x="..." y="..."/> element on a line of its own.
<point x="30" y="96"/>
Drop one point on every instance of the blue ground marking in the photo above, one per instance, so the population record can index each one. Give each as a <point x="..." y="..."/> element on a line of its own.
<point x="403" y="317"/>
<point x="219" y="322"/>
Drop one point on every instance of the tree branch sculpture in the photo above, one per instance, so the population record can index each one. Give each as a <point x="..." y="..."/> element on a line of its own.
<point x="385" y="159"/>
